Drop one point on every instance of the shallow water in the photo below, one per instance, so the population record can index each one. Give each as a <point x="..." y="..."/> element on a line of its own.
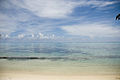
<point x="62" y="58"/>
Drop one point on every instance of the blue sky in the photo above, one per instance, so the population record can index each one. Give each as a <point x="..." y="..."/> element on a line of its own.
<point x="70" y="19"/>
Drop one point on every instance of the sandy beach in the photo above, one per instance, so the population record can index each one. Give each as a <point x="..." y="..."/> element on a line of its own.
<point x="25" y="76"/>
<point x="81" y="64"/>
<point x="51" y="70"/>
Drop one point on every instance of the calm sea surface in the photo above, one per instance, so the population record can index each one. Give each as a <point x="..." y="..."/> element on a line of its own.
<point x="62" y="58"/>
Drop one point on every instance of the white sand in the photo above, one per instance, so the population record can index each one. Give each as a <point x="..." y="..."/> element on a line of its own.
<point x="24" y="76"/>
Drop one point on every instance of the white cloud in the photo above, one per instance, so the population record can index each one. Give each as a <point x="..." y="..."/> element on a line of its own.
<point x="92" y="30"/>
<point x="21" y="36"/>
<point x="57" y="8"/>
<point x="41" y="8"/>
<point x="48" y="8"/>
<point x="32" y="35"/>
<point x="99" y="3"/>
<point x="6" y="36"/>
<point x="41" y="35"/>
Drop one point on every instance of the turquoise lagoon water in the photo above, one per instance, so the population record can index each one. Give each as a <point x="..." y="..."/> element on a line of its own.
<point x="74" y="58"/>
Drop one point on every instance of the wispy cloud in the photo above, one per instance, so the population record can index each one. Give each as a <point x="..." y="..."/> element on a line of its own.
<point x="99" y="3"/>
<point x="7" y="26"/>
<point x="58" y="8"/>
<point x="92" y="30"/>
<point x="31" y="17"/>
<point x="47" y="8"/>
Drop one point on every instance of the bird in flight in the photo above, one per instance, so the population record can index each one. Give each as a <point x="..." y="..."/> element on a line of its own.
<point x="118" y="17"/>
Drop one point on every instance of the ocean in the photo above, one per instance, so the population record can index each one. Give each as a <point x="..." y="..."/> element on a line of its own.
<point x="61" y="58"/>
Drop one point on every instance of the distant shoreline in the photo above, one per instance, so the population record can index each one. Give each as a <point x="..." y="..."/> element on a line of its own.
<point x="33" y="58"/>
<point x="56" y="58"/>
<point x="41" y="58"/>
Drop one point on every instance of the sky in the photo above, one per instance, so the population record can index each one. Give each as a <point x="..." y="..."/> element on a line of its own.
<point x="70" y="20"/>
